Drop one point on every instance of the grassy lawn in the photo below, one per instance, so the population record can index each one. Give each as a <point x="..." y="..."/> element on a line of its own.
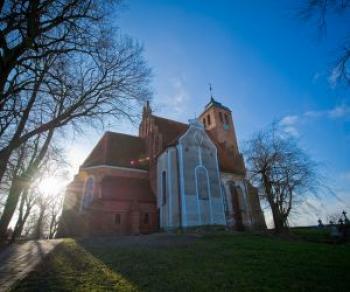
<point x="220" y="261"/>
<point x="312" y="234"/>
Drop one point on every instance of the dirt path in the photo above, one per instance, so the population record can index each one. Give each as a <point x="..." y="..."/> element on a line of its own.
<point x="19" y="259"/>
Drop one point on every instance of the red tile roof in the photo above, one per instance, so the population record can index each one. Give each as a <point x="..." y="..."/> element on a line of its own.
<point x="170" y="129"/>
<point x="227" y="161"/>
<point x="116" y="149"/>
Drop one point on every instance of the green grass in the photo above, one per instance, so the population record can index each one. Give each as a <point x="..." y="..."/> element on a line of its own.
<point x="312" y="234"/>
<point x="220" y="261"/>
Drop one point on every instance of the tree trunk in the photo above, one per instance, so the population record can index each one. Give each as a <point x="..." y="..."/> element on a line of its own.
<point x="21" y="226"/>
<point x="277" y="219"/>
<point x="22" y="219"/>
<point x="52" y="226"/>
<point x="18" y="184"/>
<point x="4" y="158"/>
<point x="39" y="225"/>
<point x="10" y="207"/>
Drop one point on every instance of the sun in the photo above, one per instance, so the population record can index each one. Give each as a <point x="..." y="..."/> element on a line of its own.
<point x="51" y="185"/>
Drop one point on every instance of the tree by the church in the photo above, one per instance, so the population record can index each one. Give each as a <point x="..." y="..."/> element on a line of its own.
<point x="25" y="166"/>
<point x="321" y="12"/>
<point x="62" y="63"/>
<point x="283" y="172"/>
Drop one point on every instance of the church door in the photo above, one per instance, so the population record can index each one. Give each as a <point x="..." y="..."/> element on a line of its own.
<point x="237" y="215"/>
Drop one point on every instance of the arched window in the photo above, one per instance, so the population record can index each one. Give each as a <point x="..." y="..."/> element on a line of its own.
<point x="163" y="188"/>
<point x="221" y="117"/>
<point x="236" y="205"/>
<point x="241" y="197"/>
<point x="88" y="195"/>
<point x="226" y="119"/>
<point x="208" y="120"/>
<point x="117" y="219"/>
<point x="202" y="183"/>
<point x="156" y="144"/>
<point x="146" y="218"/>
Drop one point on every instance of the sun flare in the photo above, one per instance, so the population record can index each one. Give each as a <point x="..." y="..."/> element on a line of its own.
<point x="51" y="185"/>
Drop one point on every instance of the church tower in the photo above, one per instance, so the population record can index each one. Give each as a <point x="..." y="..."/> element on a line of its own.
<point x="217" y="120"/>
<point x="145" y="123"/>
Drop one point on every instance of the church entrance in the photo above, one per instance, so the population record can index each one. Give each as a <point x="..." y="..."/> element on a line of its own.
<point x="237" y="214"/>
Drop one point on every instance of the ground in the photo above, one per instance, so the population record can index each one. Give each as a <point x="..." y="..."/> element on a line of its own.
<point x="214" y="261"/>
<point x="18" y="260"/>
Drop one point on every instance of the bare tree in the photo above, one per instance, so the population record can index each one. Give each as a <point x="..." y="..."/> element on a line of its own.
<point x="283" y="172"/>
<point x="28" y="228"/>
<point x="53" y="166"/>
<point x="41" y="222"/>
<point x="322" y="11"/>
<point x="63" y="63"/>
<point x="55" y="209"/>
<point x="48" y="210"/>
<point x="25" y="207"/>
<point x="30" y="160"/>
<point x="34" y="29"/>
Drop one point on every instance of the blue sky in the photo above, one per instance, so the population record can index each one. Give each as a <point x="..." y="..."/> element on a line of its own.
<point x="264" y="62"/>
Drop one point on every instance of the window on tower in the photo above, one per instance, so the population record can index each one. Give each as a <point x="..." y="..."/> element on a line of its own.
<point x="146" y="219"/>
<point x="204" y="123"/>
<point x="221" y="117"/>
<point x="117" y="219"/>
<point x="208" y="120"/>
<point x="226" y="119"/>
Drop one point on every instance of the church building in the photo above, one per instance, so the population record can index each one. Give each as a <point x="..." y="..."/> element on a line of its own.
<point x="172" y="175"/>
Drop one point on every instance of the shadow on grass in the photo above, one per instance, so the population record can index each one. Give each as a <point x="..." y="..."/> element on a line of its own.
<point x="69" y="267"/>
<point x="218" y="262"/>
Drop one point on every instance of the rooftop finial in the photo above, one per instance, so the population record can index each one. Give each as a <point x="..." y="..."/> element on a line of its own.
<point x="147" y="108"/>
<point x="211" y="92"/>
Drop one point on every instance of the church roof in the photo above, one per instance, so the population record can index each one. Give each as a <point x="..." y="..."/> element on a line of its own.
<point x="117" y="149"/>
<point x="215" y="103"/>
<point x="171" y="130"/>
<point x="228" y="162"/>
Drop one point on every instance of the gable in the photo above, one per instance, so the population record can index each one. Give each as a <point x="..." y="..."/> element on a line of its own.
<point x="228" y="162"/>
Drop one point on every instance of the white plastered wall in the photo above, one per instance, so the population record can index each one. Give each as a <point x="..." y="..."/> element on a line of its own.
<point x="196" y="151"/>
<point x="169" y="212"/>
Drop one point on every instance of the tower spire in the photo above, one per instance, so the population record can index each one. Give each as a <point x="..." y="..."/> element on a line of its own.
<point x="147" y="110"/>
<point x="211" y="92"/>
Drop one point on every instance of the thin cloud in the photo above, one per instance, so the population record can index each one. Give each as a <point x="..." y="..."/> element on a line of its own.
<point x="345" y="176"/>
<point x="176" y="103"/>
<point x="292" y="131"/>
<point x="340" y="111"/>
<point x="334" y="76"/>
<point x="289" y="123"/>
<point x="289" y="120"/>
<point x="314" y="114"/>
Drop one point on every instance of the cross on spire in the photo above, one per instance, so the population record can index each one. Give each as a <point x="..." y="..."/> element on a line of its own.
<point x="211" y="91"/>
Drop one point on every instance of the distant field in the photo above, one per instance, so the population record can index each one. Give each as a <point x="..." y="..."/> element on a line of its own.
<point x="218" y="261"/>
<point x="312" y="234"/>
